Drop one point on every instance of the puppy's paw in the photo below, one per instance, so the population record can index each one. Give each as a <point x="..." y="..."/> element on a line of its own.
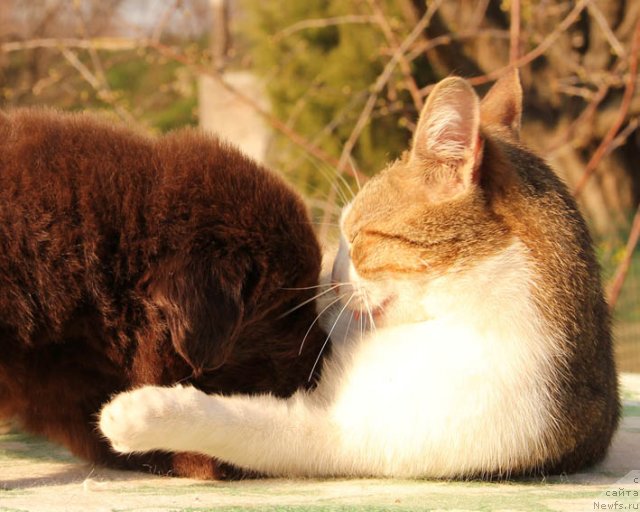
<point x="149" y="418"/>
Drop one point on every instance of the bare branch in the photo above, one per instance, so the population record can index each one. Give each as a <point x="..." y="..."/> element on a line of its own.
<point x="478" y="14"/>
<point x="93" y="54"/>
<point x="104" y="94"/>
<point x="114" y="44"/>
<point x="84" y="71"/>
<point x="623" y="267"/>
<point x="539" y="50"/>
<point x="622" y="114"/>
<point x="158" y="29"/>
<point x="430" y="44"/>
<point x="585" y="117"/>
<point x="321" y="23"/>
<point x="395" y="44"/>
<point x="514" y="32"/>
<point x="624" y="134"/>
<point x="596" y="13"/>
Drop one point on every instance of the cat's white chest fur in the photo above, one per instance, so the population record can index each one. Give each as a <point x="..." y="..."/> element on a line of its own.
<point x="462" y="388"/>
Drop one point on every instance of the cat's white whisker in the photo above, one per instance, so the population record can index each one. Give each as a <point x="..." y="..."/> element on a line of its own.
<point x="318" y="316"/>
<point x="361" y="326"/>
<point x="332" y="208"/>
<point x="367" y="305"/>
<point x="334" y="224"/>
<point x="333" y="287"/>
<point x="351" y="316"/>
<point x="344" y="198"/>
<point x="332" y="182"/>
<point x="355" y="174"/>
<point x="322" y="285"/>
<point x="425" y="262"/>
<point x="337" y="177"/>
<point x="329" y="336"/>
<point x="346" y="184"/>
<point x="184" y="379"/>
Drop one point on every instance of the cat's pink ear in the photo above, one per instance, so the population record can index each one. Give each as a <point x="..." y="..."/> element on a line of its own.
<point x="448" y="137"/>
<point x="502" y="106"/>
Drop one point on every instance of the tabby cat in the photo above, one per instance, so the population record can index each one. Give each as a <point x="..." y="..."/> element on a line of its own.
<point x="472" y="339"/>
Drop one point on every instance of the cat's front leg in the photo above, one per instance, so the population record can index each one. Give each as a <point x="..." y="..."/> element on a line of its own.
<point x="261" y="433"/>
<point x="152" y="418"/>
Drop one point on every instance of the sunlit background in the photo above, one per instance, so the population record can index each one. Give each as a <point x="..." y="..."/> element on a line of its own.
<point x="327" y="91"/>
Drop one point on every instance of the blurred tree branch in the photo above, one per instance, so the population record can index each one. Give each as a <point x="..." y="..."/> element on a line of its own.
<point x="621" y="116"/>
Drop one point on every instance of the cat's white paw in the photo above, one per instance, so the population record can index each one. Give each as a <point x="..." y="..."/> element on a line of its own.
<point x="147" y="418"/>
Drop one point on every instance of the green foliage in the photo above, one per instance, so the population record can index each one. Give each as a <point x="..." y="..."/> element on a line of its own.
<point x="319" y="78"/>
<point x="611" y="252"/>
<point x="160" y="94"/>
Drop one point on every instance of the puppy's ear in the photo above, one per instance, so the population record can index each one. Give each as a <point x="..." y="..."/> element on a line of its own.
<point x="203" y="309"/>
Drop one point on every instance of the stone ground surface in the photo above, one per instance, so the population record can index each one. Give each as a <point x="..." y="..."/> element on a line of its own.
<point x="38" y="476"/>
